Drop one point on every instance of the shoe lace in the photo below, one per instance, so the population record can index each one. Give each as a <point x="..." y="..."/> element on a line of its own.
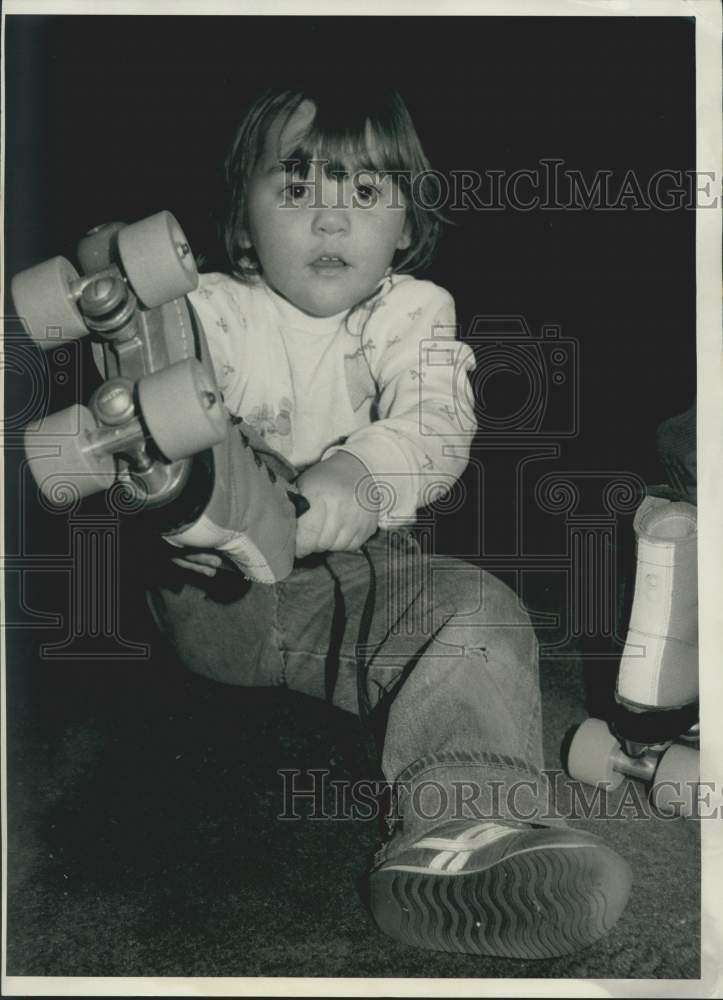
<point x="362" y="662"/>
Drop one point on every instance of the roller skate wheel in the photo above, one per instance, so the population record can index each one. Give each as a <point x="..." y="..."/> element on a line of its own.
<point x="43" y="299"/>
<point x="675" y="785"/>
<point x="95" y="250"/>
<point x="592" y="754"/>
<point x="59" y="459"/>
<point x="157" y="259"/>
<point x="183" y="409"/>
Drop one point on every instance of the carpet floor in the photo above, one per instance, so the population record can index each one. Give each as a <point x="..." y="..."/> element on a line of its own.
<point x="144" y="838"/>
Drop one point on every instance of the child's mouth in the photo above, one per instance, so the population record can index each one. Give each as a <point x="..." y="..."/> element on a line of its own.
<point x="329" y="262"/>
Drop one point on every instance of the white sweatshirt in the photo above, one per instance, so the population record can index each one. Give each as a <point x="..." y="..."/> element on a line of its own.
<point x="389" y="386"/>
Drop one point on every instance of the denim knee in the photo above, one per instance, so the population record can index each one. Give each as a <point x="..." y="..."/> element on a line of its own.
<point x="232" y="641"/>
<point x="480" y="612"/>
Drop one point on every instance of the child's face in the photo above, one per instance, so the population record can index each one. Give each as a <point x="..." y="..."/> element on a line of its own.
<point x="323" y="243"/>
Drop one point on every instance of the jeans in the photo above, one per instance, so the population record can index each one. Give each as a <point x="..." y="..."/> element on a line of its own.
<point x="451" y="664"/>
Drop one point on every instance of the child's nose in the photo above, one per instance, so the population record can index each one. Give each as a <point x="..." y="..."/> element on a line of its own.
<point x="330" y="221"/>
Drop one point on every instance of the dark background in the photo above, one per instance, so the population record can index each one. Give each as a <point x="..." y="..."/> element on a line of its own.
<point x="116" y="118"/>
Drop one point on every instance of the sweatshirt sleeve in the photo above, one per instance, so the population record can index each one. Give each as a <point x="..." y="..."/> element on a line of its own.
<point x="221" y="315"/>
<point x="419" y="445"/>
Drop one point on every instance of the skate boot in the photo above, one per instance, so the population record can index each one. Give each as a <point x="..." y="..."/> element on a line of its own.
<point x="654" y="732"/>
<point x="156" y="429"/>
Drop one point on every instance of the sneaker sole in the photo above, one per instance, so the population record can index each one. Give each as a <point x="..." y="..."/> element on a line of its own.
<point x="534" y="904"/>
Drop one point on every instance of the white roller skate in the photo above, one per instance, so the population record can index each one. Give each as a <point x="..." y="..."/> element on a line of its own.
<point x="157" y="424"/>
<point x="654" y="732"/>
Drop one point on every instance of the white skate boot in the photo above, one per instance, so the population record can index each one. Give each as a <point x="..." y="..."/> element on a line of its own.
<point x="659" y="668"/>
<point x="657" y="686"/>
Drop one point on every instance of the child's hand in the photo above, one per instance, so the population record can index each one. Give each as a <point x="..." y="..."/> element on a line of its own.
<point x="336" y="520"/>
<point x="200" y="562"/>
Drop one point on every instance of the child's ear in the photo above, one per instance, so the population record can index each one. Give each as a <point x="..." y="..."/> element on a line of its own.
<point x="406" y="238"/>
<point x="244" y="240"/>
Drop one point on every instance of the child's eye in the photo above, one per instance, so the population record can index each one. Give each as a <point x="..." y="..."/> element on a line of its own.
<point x="298" y="192"/>
<point x="366" y="195"/>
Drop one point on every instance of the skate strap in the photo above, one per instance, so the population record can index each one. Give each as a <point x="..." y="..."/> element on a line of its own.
<point x="653" y="726"/>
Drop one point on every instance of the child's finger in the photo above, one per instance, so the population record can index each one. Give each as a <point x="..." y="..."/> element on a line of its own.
<point x="351" y="534"/>
<point x="210" y="559"/>
<point x="305" y="547"/>
<point x="197" y="567"/>
<point x="308" y="531"/>
<point x="204" y="558"/>
<point x="338" y="542"/>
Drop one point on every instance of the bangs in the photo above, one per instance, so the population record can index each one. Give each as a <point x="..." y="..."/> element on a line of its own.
<point x="345" y="143"/>
<point x="356" y="126"/>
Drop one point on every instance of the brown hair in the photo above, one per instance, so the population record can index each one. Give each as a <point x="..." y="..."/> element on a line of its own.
<point x="338" y="136"/>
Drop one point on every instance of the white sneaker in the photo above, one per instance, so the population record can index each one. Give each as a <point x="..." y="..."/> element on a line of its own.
<point x="503" y="889"/>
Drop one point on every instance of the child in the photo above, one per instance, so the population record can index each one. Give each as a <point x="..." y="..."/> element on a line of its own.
<point x="318" y="341"/>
